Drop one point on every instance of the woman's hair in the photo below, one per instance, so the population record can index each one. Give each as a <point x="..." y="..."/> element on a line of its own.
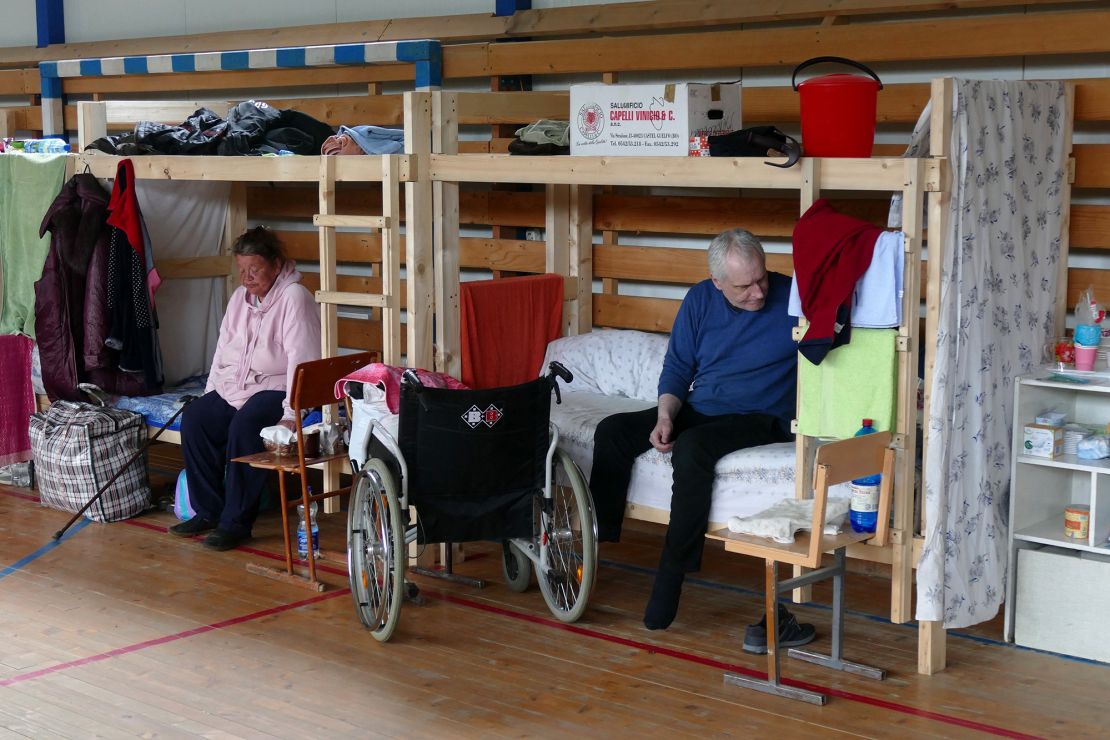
<point x="260" y="242"/>
<point x="744" y="243"/>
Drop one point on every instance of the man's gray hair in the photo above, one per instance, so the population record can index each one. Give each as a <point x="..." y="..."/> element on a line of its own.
<point x="741" y="241"/>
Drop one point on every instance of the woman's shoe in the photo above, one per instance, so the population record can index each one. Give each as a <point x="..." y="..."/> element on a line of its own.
<point x="221" y="540"/>
<point x="193" y="526"/>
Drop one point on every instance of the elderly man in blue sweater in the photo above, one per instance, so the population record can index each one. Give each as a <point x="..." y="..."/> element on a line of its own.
<point x="728" y="383"/>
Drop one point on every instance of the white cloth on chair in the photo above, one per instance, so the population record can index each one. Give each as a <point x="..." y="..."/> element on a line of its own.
<point x="788" y="516"/>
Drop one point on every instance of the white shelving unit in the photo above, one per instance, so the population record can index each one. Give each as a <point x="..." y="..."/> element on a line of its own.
<point x="1036" y="613"/>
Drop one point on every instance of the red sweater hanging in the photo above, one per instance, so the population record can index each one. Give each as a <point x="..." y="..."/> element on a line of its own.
<point x="831" y="253"/>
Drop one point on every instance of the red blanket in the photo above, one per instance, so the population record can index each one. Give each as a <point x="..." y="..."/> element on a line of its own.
<point x="17" y="399"/>
<point x="505" y="327"/>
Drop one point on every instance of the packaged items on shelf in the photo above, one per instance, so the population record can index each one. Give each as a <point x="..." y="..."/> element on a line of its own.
<point x="1051" y="418"/>
<point x="1094" y="447"/>
<point x="1042" y="440"/>
<point x="1077" y="521"/>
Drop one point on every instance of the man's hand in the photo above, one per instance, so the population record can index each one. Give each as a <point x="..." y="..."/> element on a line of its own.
<point x="662" y="436"/>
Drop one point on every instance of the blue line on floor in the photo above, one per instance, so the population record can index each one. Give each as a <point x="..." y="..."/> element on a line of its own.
<point x="17" y="565"/>
<point x="864" y="615"/>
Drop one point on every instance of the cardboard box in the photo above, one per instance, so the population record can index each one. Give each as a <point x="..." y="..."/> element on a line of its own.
<point x="1042" y="440"/>
<point x="649" y="120"/>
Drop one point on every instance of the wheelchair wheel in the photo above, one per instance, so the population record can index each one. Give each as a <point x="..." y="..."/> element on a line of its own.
<point x="515" y="567"/>
<point x="569" y="534"/>
<point x="376" y="549"/>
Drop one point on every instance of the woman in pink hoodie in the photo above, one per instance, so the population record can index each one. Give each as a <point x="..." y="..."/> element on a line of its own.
<point x="272" y="324"/>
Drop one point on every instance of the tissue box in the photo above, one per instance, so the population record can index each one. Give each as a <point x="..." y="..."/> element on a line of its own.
<point x="1042" y="440"/>
<point x="649" y="120"/>
<point x="1051" y="418"/>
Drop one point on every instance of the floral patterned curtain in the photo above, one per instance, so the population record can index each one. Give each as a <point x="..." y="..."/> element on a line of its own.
<point x="998" y="295"/>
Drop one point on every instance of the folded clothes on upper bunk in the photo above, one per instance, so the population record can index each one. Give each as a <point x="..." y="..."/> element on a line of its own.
<point x="253" y="127"/>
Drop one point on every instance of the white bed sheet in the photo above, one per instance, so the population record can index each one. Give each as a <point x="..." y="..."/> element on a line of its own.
<point x="748" y="481"/>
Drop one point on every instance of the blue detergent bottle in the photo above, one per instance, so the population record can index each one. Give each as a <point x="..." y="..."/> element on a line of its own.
<point x="864" y="510"/>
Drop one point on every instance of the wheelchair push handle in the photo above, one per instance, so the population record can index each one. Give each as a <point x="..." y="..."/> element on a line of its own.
<point x="558" y="368"/>
<point x="409" y="377"/>
<point x="558" y="372"/>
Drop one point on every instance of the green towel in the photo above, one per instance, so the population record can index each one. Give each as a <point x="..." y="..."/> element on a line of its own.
<point x="28" y="185"/>
<point x="853" y="382"/>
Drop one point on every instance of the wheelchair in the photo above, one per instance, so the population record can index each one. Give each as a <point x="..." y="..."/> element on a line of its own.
<point x="470" y="465"/>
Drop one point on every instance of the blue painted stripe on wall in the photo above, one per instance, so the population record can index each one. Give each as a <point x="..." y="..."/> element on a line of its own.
<point x="51" y="86"/>
<point x="508" y="7"/>
<point x="415" y="51"/>
<point x="235" y="60"/>
<point x="134" y="65"/>
<point x="183" y="63"/>
<point x="429" y="74"/>
<point x="350" y="54"/>
<point x="50" y="26"/>
<point x="90" y="67"/>
<point x="290" y="57"/>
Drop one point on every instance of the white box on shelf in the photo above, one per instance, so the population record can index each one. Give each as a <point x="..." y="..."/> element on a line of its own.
<point x="1042" y="440"/>
<point x="649" y="120"/>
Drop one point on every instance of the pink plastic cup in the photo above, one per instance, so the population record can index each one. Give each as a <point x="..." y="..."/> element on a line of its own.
<point x="1085" y="357"/>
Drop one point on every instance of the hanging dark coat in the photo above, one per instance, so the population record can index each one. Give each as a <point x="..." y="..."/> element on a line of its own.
<point x="133" y="320"/>
<point x="71" y="319"/>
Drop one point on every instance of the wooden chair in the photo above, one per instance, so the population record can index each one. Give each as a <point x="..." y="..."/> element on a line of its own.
<point x="837" y="462"/>
<point x="313" y="387"/>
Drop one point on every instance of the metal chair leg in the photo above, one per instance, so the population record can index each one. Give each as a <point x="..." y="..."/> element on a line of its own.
<point x="836" y="660"/>
<point x="771" y="684"/>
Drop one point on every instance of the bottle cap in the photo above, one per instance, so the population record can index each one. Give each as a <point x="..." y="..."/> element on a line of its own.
<point x="867" y="422"/>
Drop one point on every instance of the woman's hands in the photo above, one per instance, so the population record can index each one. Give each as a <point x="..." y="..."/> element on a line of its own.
<point x="289" y="424"/>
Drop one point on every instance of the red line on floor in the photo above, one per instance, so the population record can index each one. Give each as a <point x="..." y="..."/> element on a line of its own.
<point x="576" y="629"/>
<point x="681" y="655"/>
<point x="169" y="638"/>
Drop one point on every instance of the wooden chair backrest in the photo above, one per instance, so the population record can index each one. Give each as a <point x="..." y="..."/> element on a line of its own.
<point x="314" y="381"/>
<point x="845" y="460"/>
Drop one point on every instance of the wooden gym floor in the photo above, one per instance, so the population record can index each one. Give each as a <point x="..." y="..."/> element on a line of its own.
<point x="122" y="630"/>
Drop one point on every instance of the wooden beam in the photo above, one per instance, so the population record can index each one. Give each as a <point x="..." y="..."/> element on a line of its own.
<point x="974" y="37"/>
<point x="634" y="312"/>
<point x="878" y="173"/>
<point x="248" y="79"/>
<point x="589" y="19"/>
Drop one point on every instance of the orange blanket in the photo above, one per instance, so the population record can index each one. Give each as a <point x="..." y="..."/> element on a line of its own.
<point x="505" y="326"/>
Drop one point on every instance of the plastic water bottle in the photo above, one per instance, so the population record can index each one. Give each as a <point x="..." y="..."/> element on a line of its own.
<point x="45" y="146"/>
<point x="303" y="527"/>
<point x="864" y="509"/>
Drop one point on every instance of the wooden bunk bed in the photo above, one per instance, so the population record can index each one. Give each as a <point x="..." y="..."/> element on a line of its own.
<point x="569" y="183"/>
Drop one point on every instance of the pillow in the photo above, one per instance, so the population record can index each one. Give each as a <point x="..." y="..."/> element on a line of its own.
<point x="612" y="362"/>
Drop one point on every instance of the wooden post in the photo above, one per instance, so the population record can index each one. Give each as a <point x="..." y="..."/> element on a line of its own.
<point x="901" y="571"/>
<point x="445" y="140"/>
<point x="1065" y="223"/>
<point x="418" y="230"/>
<point x="329" y="313"/>
<point x="391" y="261"/>
<point x="578" y="311"/>
<point x="930" y="636"/>
<point x="92" y="123"/>
<point x="234" y="225"/>
<point x="810" y="191"/>
<point x="557" y="229"/>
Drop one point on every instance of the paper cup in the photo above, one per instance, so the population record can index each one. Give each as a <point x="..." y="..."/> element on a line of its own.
<point x="1088" y="334"/>
<point x="1085" y="357"/>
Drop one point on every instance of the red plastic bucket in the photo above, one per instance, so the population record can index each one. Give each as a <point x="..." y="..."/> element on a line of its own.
<point x="838" y="110"/>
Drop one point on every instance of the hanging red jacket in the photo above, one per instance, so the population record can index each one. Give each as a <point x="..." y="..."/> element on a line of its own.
<point x="831" y="253"/>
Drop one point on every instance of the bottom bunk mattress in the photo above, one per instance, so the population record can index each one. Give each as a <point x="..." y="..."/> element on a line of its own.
<point x="748" y="481"/>
<point x="157" y="410"/>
